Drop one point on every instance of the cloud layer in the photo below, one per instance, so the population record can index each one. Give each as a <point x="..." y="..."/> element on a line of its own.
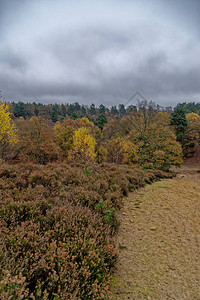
<point x="99" y="51"/>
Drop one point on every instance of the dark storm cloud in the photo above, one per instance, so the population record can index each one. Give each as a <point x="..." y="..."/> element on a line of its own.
<point x="185" y="12"/>
<point x="99" y="51"/>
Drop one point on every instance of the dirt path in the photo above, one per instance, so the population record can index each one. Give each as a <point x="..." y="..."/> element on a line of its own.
<point x="159" y="241"/>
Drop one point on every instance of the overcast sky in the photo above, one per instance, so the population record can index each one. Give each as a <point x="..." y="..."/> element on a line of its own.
<point x="100" y="51"/>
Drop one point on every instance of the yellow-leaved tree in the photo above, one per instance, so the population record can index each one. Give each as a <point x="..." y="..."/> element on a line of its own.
<point x="64" y="139"/>
<point x="8" y="131"/>
<point x="84" y="145"/>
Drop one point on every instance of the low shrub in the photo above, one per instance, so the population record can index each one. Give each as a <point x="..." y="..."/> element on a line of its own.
<point x="57" y="227"/>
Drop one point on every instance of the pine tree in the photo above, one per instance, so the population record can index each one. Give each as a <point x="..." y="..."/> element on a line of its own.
<point x="54" y="115"/>
<point x="101" y="121"/>
<point x="179" y="121"/>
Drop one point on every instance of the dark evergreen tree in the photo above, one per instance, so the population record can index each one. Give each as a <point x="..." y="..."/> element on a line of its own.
<point x="101" y="121"/>
<point x="83" y="110"/>
<point x="19" y="110"/>
<point x="89" y="118"/>
<point x="75" y="116"/>
<point x="77" y="107"/>
<point x="102" y="109"/>
<point x="130" y="108"/>
<point x="122" y="109"/>
<point x="63" y="110"/>
<point x="35" y="109"/>
<point x="71" y="109"/>
<point x="54" y="114"/>
<point x="178" y="120"/>
<point x="92" y="109"/>
<point x="114" y="110"/>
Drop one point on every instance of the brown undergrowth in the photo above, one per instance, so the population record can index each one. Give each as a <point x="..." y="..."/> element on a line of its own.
<point x="57" y="227"/>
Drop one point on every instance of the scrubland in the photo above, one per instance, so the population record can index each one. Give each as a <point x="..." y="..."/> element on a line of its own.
<point x="58" y="225"/>
<point x="62" y="183"/>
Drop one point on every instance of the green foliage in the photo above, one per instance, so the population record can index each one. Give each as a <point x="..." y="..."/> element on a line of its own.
<point x="19" y="110"/>
<point x="190" y="107"/>
<point x="54" y="115"/>
<point x="75" y="116"/>
<point x="114" y="110"/>
<point x="101" y="121"/>
<point x="92" y="109"/>
<point x="179" y="121"/>
<point x="122" y="109"/>
<point x="100" y="205"/>
<point x="102" y="109"/>
<point x="63" y="110"/>
<point x="108" y="216"/>
<point x="87" y="171"/>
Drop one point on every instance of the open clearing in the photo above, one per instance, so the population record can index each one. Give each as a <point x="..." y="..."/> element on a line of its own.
<point x="159" y="241"/>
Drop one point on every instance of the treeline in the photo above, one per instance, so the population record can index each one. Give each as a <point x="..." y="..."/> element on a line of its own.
<point x="58" y="112"/>
<point x="189" y="107"/>
<point x="145" y="136"/>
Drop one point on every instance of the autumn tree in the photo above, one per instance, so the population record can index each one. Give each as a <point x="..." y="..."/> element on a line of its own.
<point x="111" y="129"/>
<point x="93" y="130"/>
<point x="36" y="140"/>
<point x="151" y="132"/>
<point x="120" y="150"/>
<point x="191" y="134"/>
<point x="8" y="131"/>
<point x="84" y="145"/>
<point x="84" y="122"/>
<point x="64" y="138"/>
<point x="115" y="150"/>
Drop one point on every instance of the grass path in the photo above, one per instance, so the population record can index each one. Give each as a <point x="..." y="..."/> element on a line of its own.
<point x="159" y="241"/>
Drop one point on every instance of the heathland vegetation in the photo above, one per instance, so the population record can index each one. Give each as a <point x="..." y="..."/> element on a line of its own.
<point x="64" y="172"/>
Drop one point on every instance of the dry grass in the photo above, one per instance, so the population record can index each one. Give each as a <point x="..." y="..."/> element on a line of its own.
<point x="159" y="232"/>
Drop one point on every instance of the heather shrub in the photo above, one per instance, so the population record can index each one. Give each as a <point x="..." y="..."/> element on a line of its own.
<point x="57" y="226"/>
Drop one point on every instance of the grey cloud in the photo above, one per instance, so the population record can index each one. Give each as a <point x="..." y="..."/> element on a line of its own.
<point x="12" y="60"/>
<point x="98" y="59"/>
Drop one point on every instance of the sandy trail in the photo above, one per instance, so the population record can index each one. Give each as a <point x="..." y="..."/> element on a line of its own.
<point x="159" y="241"/>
